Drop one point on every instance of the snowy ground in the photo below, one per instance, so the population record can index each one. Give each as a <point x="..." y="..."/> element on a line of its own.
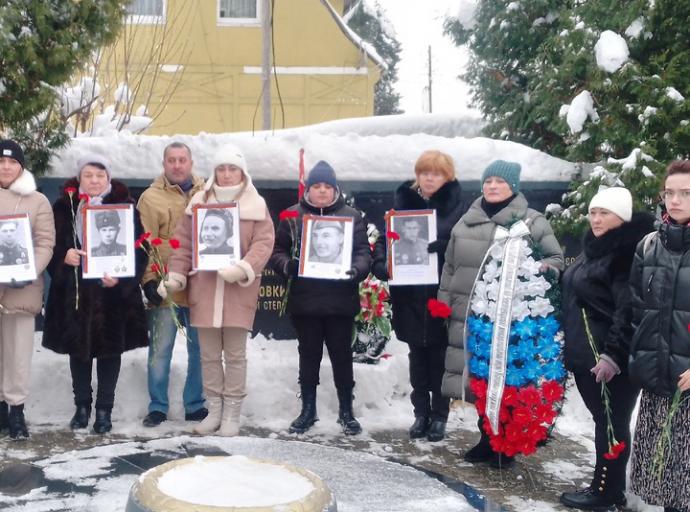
<point x="382" y="406"/>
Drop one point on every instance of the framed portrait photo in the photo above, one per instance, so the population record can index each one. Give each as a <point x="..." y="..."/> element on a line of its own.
<point x="215" y="235"/>
<point x="108" y="241"/>
<point x="326" y="251"/>
<point x="16" y="249"/>
<point x="409" y="261"/>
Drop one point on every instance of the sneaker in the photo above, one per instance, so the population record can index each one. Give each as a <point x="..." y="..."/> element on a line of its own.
<point x="154" y="418"/>
<point x="197" y="415"/>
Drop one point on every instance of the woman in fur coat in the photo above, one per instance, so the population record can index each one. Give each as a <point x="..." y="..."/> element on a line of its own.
<point x="596" y="287"/>
<point x="223" y="303"/>
<point x="109" y="319"/>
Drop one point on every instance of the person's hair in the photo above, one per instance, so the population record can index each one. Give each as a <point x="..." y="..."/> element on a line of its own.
<point x="177" y="145"/>
<point x="676" y="167"/>
<point x="434" y="160"/>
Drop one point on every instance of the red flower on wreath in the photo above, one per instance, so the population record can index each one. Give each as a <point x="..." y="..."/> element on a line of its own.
<point x="288" y="214"/>
<point x="552" y="391"/>
<point x="438" y="308"/>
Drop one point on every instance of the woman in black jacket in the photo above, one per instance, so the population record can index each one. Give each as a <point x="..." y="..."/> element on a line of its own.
<point x="596" y="295"/>
<point x="109" y="319"/>
<point x="322" y="310"/>
<point x="435" y="187"/>
<point x="660" y="349"/>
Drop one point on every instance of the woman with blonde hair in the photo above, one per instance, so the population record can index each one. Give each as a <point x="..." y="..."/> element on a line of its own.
<point x="434" y="187"/>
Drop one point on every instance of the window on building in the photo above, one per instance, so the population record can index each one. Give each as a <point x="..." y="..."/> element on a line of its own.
<point x="146" y="11"/>
<point x="229" y="10"/>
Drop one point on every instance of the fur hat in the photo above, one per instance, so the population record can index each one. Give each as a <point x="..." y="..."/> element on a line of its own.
<point x="9" y="148"/>
<point x="509" y="171"/>
<point x="322" y="172"/>
<point x="617" y="200"/>
<point x="107" y="219"/>
<point x="92" y="158"/>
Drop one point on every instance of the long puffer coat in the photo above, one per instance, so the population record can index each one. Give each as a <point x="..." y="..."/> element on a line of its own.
<point x="598" y="281"/>
<point x="316" y="297"/>
<point x="411" y="319"/>
<point x="470" y="239"/>
<point x="109" y="321"/>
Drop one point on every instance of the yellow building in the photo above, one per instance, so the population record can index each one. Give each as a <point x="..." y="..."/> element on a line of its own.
<point x="196" y="65"/>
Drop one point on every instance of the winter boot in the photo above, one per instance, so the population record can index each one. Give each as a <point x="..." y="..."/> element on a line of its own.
<point x="605" y="493"/>
<point x="17" y="423"/>
<point x="350" y="425"/>
<point x="308" y="416"/>
<point x="480" y="452"/>
<point x="211" y="422"/>
<point x="81" y="417"/>
<point x="230" y="424"/>
<point x="4" y="418"/>
<point x="437" y="431"/>
<point x="419" y="427"/>
<point x="103" y="422"/>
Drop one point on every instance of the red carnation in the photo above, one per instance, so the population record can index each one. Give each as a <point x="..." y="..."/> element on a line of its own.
<point x="156" y="241"/>
<point x="155" y="267"/>
<point x="137" y="243"/>
<point x="288" y="214"/>
<point x="84" y="197"/>
<point x="615" y="451"/>
<point x="70" y="190"/>
<point x="174" y="243"/>
<point x="438" y="308"/>
<point x="392" y="235"/>
<point x="146" y="235"/>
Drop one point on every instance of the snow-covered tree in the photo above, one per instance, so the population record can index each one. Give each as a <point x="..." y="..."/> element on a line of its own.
<point x="369" y="22"/>
<point x="42" y="42"/>
<point x="604" y="84"/>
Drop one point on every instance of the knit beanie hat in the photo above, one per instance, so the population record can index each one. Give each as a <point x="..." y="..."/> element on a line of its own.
<point x="229" y="155"/>
<point x="617" y="200"/>
<point x="322" y="172"/>
<point x="509" y="171"/>
<point x="9" y="148"/>
<point x="92" y="158"/>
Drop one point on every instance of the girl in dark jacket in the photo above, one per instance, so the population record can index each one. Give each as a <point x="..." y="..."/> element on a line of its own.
<point x="110" y="316"/>
<point x="660" y="349"/>
<point x="322" y="310"/>
<point x="435" y="187"/>
<point x="596" y="285"/>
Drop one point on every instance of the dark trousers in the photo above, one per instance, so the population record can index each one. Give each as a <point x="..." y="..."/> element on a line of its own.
<point x="107" y="372"/>
<point x="336" y="332"/>
<point x="622" y="401"/>
<point x="426" y="373"/>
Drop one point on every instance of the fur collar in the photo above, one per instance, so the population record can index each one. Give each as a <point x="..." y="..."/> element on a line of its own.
<point x="252" y="205"/>
<point x="24" y="185"/>
<point x="620" y="241"/>
<point x="444" y="200"/>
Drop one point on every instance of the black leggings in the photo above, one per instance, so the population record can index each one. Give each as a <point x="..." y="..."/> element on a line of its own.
<point x="107" y="372"/>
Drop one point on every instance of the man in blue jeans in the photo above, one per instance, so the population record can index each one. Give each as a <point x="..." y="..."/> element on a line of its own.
<point x="161" y="206"/>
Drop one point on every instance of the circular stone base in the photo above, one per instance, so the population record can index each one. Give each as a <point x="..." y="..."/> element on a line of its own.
<point x="234" y="483"/>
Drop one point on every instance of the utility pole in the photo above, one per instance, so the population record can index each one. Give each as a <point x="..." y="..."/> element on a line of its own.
<point x="429" y="87"/>
<point x="266" y="22"/>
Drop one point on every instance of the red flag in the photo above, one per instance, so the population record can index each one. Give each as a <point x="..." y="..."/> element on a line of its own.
<point x="301" y="173"/>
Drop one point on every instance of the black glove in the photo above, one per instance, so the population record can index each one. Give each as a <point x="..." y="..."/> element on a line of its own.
<point x="292" y="268"/>
<point x="380" y="270"/>
<point x="151" y="293"/>
<point x="438" y="246"/>
<point x="17" y="284"/>
<point x="351" y="274"/>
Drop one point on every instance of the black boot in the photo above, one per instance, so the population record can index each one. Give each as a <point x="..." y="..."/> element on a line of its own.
<point x="308" y="416"/>
<point x="17" y="424"/>
<point x="606" y="491"/>
<point x="437" y="431"/>
<point x="350" y="425"/>
<point x="103" y="423"/>
<point x="419" y="427"/>
<point x="480" y="452"/>
<point x="4" y="418"/>
<point x="81" y="417"/>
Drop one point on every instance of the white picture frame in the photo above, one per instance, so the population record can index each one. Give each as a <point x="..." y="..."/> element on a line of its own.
<point x="16" y="249"/>
<point x="409" y="261"/>
<point x="326" y="247"/>
<point x="215" y="236"/>
<point x="108" y="240"/>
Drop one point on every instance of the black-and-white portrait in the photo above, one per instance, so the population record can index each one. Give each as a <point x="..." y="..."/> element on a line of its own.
<point x="413" y="231"/>
<point x="12" y="248"/>
<point x="109" y="230"/>
<point x="327" y="242"/>
<point x="216" y="232"/>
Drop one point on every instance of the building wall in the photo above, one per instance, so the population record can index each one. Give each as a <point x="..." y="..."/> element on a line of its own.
<point x="211" y="71"/>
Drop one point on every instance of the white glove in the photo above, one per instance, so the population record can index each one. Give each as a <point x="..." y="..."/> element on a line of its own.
<point x="232" y="274"/>
<point x="174" y="282"/>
